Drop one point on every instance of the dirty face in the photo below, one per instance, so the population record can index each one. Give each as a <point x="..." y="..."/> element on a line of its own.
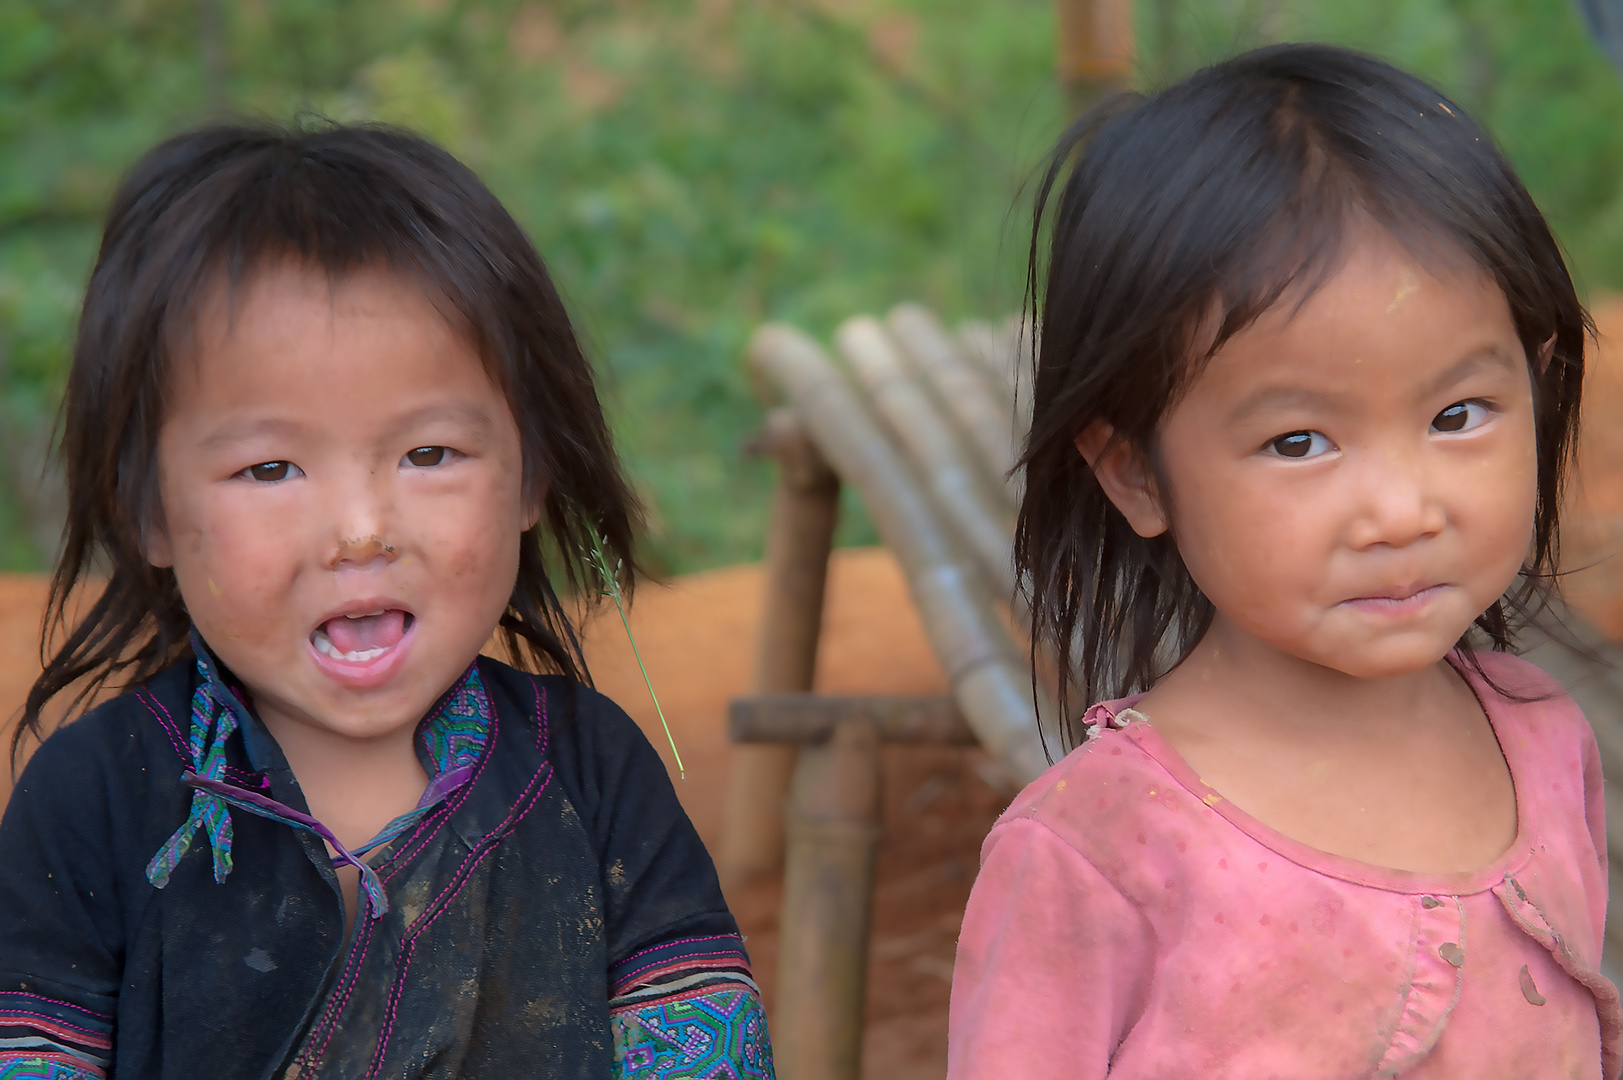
<point x="342" y="497"/>
<point x="1352" y="482"/>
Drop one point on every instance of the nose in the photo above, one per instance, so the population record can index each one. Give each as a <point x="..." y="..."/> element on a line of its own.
<point x="1397" y="503"/>
<point x="360" y="522"/>
<point x="361" y="551"/>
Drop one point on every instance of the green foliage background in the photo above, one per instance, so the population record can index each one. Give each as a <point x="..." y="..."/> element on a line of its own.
<point x="690" y="168"/>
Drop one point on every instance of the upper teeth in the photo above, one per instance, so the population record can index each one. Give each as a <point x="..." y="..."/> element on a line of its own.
<point x="325" y="646"/>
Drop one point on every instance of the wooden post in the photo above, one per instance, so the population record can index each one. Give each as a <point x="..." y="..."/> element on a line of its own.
<point x="1095" y="45"/>
<point x="834" y="822"/>
<point x="805" y="508"/>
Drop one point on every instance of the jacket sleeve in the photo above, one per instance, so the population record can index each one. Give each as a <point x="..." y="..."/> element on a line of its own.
<point x="60" y="922"/>
<point x="682" y="998"/>
<point x="1053" y="963"/>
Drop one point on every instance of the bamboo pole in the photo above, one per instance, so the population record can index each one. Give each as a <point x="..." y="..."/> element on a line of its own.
<point x="957" y="484"/>
<point x="834" y="824"/>
<point x="993" y="350"/>
<point x="805" y="508"/>
<point x="964" y="389"/>
<point x="990" y="677"/>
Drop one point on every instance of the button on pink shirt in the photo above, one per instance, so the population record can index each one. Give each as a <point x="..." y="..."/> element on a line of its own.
<point x="1128" y="921"/>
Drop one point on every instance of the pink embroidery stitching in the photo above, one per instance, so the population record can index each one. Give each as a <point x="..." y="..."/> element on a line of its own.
<point x="167" y="722"/>
<point x="632" y="976"/>
<point x="54" y="1001"/>
<point x="397" y="864"/>
<point x="30" y="1017"/>
<point x="680" y="941"/>
<point x="442" y="903"/>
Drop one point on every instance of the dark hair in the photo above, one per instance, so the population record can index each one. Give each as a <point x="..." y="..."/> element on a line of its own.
<point x="210" y="208"/>
<point x="1182" y="217"/>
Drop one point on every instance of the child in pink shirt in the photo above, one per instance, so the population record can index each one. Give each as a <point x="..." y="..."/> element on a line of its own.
<point x="1306" y="387"/>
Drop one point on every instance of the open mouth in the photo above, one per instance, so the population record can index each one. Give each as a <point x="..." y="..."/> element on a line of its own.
<point x="356" y="639"/>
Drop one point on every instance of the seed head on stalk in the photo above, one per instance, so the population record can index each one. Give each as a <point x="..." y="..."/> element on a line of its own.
<point x="611" y="589"/>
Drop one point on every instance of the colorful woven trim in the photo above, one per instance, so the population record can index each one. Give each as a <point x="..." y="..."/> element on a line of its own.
<point x="688" y="1008"/>
<point x="680" y="958"/>
<point x="213" y="722"/>
<point x="48" y="1066"/>
<point x="43" y="1037"/>
<point x="453" y="738"/>
<point x="31" y="1014"/>
<point x="713" y="1031"/>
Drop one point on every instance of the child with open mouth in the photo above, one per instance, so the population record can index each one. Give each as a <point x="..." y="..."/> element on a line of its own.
<point x="326" y="430"/>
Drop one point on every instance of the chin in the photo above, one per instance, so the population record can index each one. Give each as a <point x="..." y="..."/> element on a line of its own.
<point x="1390" y="659"/>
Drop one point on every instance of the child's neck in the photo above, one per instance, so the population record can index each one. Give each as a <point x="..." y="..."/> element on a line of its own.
<point x="1244" y="683"/>
<point x="352" y="786"/>
<point x="1401" y="771"/>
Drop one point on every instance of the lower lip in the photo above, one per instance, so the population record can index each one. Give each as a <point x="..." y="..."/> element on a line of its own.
<point x="1392" y="607"/>
<point x="364" y="674"/>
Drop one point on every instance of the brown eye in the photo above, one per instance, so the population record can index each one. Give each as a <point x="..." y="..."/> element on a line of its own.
<point x="1450" y="419"/>
<point x="271" y="471"/>
<point x="1460" y="416"/>
<point x="1300" y="444"/>
<point x="425" y="456"/>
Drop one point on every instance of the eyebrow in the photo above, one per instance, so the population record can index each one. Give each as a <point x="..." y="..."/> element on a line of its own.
<point x="229" y="434"/>
<point x="463" y="412"/>
<point x="455" y="411"/>
<point x="1305" y="397"/>
<point x="1489" y="356"/>
<point x="1279" y="397"/>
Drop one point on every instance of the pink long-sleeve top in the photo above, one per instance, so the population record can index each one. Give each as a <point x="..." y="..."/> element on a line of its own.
<point x="1128" y="921"/>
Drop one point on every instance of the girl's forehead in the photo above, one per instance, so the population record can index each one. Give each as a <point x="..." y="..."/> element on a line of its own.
<point x="1294" y="283"/>
<point x="280" y="290"/>
<point x="1374" y="274"/>
<point x="287" y="305"/>
<point x="1379" y="317"/>
<point x="289" y="334"/>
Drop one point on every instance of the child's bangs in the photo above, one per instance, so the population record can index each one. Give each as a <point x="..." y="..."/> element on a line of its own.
<point x="333" y="210"/>
<point x="1319" y="200"/>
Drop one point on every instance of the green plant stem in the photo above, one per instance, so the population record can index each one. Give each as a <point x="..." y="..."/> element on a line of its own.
<point x="615" y="595"/>
<point x="611" y="589"/>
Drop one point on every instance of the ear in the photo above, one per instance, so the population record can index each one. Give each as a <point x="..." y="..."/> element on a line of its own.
<point x="1545" y="352"/>
<point x="1125" y="476"/>
<point x="155" y="543"/>
<point x="535" y="504"/>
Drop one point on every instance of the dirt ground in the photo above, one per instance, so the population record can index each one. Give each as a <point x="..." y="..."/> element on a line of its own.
<point x="697" y="635"/>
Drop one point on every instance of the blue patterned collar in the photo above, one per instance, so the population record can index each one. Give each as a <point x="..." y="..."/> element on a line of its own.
<point x="450" y="741"/>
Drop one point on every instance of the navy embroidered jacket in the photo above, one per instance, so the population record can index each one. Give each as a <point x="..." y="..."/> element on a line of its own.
<point x="553" y="916"/>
